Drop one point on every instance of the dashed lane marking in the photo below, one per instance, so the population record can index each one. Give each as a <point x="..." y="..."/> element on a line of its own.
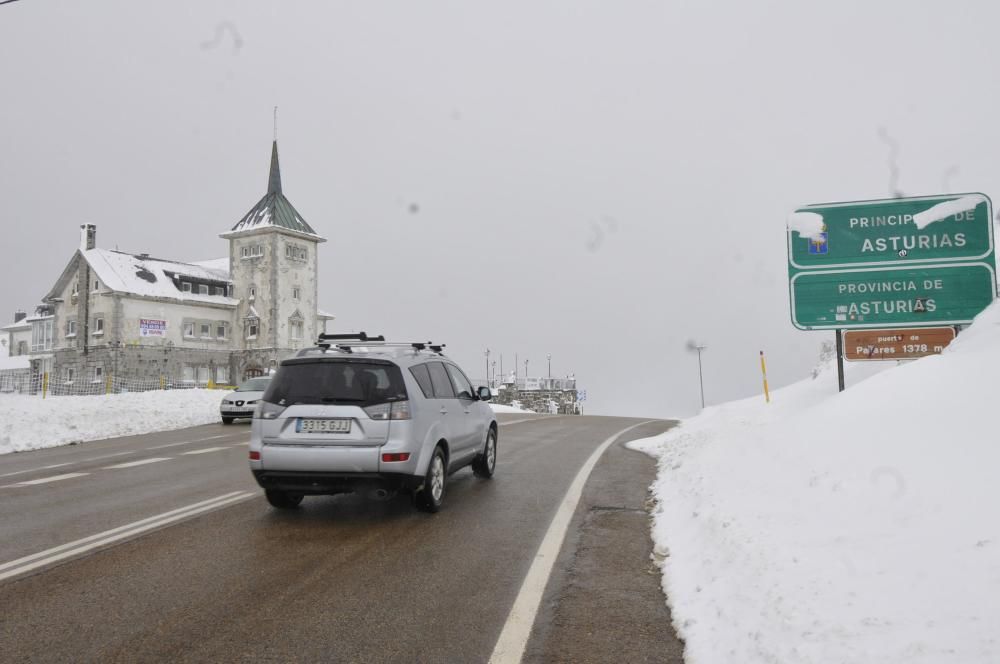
<point x="140" y="462"/>
<point x="46" y="480"/>
<point x="205" y="450"/>
<point x="32" y="470"/>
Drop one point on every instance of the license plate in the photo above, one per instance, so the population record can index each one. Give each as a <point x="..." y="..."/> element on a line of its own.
<point x="322" y="426"/>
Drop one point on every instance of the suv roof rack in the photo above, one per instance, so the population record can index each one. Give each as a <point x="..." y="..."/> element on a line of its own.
<point x="363" y="340"/>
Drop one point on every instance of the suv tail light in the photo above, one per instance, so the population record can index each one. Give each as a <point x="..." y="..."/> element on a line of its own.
<point x="397" y="410"/>
<point x="267" y="411"/>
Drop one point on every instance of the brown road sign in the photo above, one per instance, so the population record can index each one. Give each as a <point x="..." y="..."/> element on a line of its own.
<point x="905" y="344"/>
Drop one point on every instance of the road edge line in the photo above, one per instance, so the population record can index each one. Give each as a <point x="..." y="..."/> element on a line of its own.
<point x="513" y="639"/>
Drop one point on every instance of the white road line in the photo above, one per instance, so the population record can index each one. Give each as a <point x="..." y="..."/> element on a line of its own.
<point x="70" y="549"/>
<point x="160" y="447"/>
<point x="221" y="435"/>
<point x="509" y="648"/>
<point x="526" y="419"/>
<point x="52" y="478"/>
<point x="204" y="450"/>
<point x="32" y="470"/>
<point x="241" y="444"/>
<point x="140" y="462"/>
<point x="107" y="456"/>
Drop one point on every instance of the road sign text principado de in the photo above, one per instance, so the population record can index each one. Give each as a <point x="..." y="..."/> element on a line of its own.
<point x="893" y="232"/>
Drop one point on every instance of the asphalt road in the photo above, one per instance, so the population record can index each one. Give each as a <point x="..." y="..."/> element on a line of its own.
<point x="162" y="548"/>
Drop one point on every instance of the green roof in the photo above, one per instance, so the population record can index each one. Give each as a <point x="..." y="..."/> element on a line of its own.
<point x="274" y="209"/>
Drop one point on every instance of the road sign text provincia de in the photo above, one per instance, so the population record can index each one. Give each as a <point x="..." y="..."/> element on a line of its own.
<point x="869" y="265"/>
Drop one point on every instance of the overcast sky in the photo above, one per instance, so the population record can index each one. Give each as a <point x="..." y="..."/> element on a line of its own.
<point x="601" y="181"/>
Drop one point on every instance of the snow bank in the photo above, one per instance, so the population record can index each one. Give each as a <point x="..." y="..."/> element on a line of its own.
<point x="854" y="527"/>
<point x="500" y="408"/>
<point x="30" y="422"/>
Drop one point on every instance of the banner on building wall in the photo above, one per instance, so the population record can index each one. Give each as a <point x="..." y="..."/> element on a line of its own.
<point x="149" y="327"/>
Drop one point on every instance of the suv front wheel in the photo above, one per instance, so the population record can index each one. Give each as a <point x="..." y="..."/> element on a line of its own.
<point x="430" y="497"/>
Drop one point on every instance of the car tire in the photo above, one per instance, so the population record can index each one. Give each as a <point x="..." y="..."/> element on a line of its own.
<point x="228" y="420"/>
<point x="486" y="463"/>
<point x="282" y="499"/>
<point x="431" y="495"/>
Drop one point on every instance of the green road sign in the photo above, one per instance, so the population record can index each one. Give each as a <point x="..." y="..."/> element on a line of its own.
<point x="884" y="233"/>
<point x="875" y="297"/>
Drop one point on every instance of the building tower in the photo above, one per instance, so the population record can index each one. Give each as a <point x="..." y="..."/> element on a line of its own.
<point x="273" y="267"/>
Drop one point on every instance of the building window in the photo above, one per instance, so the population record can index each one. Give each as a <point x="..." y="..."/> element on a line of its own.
<point x="76" y="289"/>
<point x="219" y="290"/>
<point x="69" y="374"/>
<point x="295" y="328"/>
<point x="98" y="374"/>
<point x="186" y="286"/>
<point x="202" y="289"/>
<point x="206" y="330"/>
<point x="203" y="375"/>
<point x="296" y="252"/>
<point x="22" y="348"/>
<point x="255" y="251"/>
<point x="98" y="326"/>
<point x="71" y="328"/>
<point x="222" y="375"/>
<point x="252" y="293"/>
<point x="188" y="373"/>
<point x="252" y="327"/>
<point x="220" y="331"/>
<point x="296" y="293"/>
<point x="41" y="335"/>
<point x="97" y="285"/>
<point x="189" y="329"/>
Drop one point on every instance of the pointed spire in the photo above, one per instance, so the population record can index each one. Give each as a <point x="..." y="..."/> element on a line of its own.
<point x="274" y="179"/>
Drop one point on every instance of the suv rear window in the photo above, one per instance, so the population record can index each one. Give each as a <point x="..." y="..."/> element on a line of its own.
<point x="419" y="372"/>
<point x="355" y="382"/>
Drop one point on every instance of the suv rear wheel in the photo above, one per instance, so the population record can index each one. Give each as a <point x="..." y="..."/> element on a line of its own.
<point x="282" y="499"/>
<point x="486" y="463"/>
<point x="430" y="497"/>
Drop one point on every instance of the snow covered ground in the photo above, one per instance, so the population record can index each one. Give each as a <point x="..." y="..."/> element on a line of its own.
<point x="30" y="422"/>
<point x="855" y="527"/>
<point x="500" y="408"/>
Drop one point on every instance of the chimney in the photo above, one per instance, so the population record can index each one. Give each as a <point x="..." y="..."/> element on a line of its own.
<point x="88" y="236"/>
<point x="19" y="316"/>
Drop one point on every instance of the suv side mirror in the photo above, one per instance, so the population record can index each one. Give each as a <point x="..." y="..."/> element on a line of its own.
<point x="484" y="393"/>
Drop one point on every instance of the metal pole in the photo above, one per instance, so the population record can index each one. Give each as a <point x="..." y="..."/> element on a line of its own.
<point x="487" y="366"/>
<point x="701" y="380"/>
<point x="549" y="357"/>
<point x="840" y="361"/>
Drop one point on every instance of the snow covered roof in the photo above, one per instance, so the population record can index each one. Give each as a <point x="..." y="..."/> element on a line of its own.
<point x="274" y="210"/>
<point x="153" y="277"/>
<point x="19" y="325"/>
<point x="324" y="314"/>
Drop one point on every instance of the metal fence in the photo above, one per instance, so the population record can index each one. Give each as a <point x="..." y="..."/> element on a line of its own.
<point x="44" y="385"/>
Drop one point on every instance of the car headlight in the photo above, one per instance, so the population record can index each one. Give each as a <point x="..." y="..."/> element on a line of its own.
<point x="227" y="402"/>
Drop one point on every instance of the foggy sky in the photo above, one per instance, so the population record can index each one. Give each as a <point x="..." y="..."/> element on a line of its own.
<point x="601" y="181"/>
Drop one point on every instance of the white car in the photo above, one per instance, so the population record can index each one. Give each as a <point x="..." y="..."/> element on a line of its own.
<point x="242" y="402"/>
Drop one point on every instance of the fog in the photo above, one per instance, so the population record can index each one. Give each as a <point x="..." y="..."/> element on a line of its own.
<point x="599" y="182"/>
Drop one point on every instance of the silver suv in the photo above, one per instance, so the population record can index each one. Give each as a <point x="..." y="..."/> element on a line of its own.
<point x="358" y="414"/>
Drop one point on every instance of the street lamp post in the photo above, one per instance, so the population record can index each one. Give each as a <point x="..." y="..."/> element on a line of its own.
<point x="694" y="346"/>
<point x="488" y="367"/>
<point x="526" y="367"/>
<point x="549" y="358"/>
<point x="493" y="377"/>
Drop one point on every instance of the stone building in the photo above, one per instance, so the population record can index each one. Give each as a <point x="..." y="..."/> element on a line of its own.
<point x="149" y="320"/>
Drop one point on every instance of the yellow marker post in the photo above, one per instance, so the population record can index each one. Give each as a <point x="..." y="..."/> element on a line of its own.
<point x="163" y="383"/>
<point x="107" y="387"/>
<point x="45" y="383"/>
<point x="763" y="372"/>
